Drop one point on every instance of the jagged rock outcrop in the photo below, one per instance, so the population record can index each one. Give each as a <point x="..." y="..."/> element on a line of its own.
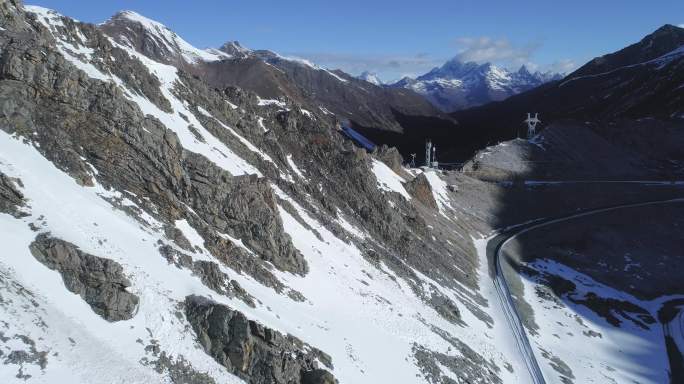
<point x="11" y="16"/>
<point x="11" y="199"/>
<point x="246" y="207"/>
<point x="209" y="273"/>
<point x="318" y="376"/>
<point x="100" y="282"/>
<point x="447" y="308"/>
<point x="250" y="350"/>
<point x="391" y="157"/>
<point x="419" y="187"/>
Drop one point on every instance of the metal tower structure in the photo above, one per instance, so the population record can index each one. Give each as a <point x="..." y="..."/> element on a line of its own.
<point x="532" y="124"/>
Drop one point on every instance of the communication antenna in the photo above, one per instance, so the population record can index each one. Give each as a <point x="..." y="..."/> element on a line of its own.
<point x="532" y="124"/>
<point x="413" y="160"/>
<point x="428" y="153"/>
<point x="434" y="157"/>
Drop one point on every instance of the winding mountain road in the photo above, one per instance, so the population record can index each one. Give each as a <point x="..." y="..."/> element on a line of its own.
<point x="494" y="248"/>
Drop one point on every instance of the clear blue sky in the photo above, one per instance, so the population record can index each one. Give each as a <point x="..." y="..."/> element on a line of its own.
<point x="394" y="38"/>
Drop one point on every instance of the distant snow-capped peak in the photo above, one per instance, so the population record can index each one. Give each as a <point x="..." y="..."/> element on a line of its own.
<point x="370" y="77"/>
<point x="458" y="85"/>
<point x="235" y="49"/>
<point x="141" y="33"/>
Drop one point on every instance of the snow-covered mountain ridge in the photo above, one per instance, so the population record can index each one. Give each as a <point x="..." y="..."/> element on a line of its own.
<point x="457" y="85"/>
<point x="371" y="77"/>
<point x="157" y="35"/>
<point x="272" y="76"/>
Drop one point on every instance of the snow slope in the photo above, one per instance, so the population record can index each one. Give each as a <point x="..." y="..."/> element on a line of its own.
<point x="626" y="353"/>
<point x="171" y="41"/>
<point x="366" y="318"/>
<point x="364" y="315"/>
<point x="62" y="323"/>
<point x="206" y="143"/>
<point x="388" y="180"/>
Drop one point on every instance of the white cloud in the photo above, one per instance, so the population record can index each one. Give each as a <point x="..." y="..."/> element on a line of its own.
<point x="563" y="66"/>
<point x="392" y="67"/>
<point x="501" y="51"/>
<point x="388" y="67"/>
<point x="487" y="49"/>
<point x="680" y="25"/>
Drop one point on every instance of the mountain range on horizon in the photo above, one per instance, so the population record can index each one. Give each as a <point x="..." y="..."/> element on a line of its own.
<point x="402" y="114"/>
<point x="453" y="86"/>
<point x="643" y="80"/>
<point x="274" y="76"/>
<point x="459" y="85"/>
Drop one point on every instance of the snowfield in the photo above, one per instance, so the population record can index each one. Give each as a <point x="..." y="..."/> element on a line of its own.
<point x="366" y="318"/>
<point x="87" y="220"/>
<point x="439" y="192"/>
<point x="627" y="353"/>
<point x="388" y="180"/>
